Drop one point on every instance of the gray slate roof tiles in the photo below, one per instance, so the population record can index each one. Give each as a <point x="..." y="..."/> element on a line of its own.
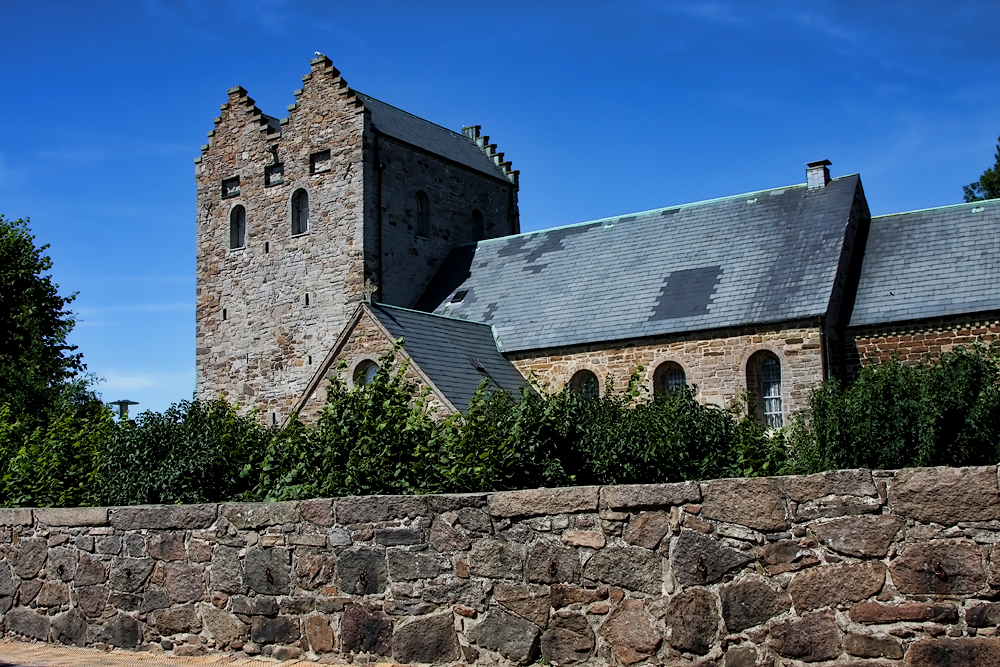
<point x="449" y="350"/>
<point x="424" y="134"/>
<point x="931" y="263"/>
<point x="761" y="257"/>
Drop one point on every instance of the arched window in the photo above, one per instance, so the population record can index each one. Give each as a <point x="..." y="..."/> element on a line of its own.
<point x="478" y="226"/>
<point x="365" y="372"/>
<point x="237" y="227"/>
<point x="423" y="215"/>
<point x="764" y="383"/>
<point x="669" y="376"/>
<point x="585" y="383"/>
<point x="300" y="212"/>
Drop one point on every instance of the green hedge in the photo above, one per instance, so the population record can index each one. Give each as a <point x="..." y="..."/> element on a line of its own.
<point x="380" y="439"/>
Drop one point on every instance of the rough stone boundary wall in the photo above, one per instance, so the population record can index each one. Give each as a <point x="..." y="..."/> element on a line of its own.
<point x="852" y="567"/>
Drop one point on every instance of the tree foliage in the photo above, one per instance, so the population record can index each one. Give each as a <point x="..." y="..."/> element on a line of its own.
<point x="988" y="185"/>
<point x="36" y="363"/>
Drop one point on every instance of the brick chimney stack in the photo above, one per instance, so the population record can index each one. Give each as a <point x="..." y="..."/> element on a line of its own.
<point x="817" y="174"/>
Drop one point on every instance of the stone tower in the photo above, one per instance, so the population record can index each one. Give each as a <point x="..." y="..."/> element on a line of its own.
<point x="295" y="215"/>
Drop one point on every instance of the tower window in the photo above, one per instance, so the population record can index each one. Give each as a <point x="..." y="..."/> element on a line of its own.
<point x="319" y="162"/>
<point x="237" y="227"/>
<point x="267" y="247"/>
<point x="230" y="187"/>
<point x="300" y="212"/>
<point x="307" y="298"/>
<point x="274" y="174"/>
<point x="585" y="383"/>
<point x="423" y="215"/>
<point x="669" y="376"/>
<point x="223" y="314"/>
<point x="764" y="382"/>
<point x="478" y="226"/>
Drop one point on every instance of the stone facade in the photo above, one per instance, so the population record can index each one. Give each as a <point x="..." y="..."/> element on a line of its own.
<point x="913" y="341"/>
<point x="715" y="362"/>
<point x="851" y="567"/>
<point x="363" y="341"/>
<point x="268" y="310"/>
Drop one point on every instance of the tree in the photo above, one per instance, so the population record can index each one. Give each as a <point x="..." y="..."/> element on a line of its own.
<point x="37" y="367"/>
<point x="988" y="185"/>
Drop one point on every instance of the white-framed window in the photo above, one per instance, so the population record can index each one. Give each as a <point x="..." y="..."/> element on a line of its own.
<point x="764" y="383"/>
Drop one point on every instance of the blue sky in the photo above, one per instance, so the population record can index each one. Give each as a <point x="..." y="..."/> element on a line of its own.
<point x="606" y="108"/>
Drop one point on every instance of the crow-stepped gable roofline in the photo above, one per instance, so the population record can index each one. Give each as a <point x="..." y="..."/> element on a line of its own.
<point x="467" y="147"/>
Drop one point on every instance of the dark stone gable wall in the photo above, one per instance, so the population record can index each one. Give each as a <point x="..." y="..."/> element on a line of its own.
<point x="410" y="261"/>
<point x="853" y="567"/>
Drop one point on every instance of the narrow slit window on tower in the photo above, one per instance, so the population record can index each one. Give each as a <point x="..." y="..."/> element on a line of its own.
<point x="300" y="212"/>
<point x="230" y="187"/>
<point x="423" y="215"/>
<point x="319" y="162"/>
<point x="478" y="226"/>
<point x="267" y="247"/>
<point x="237" y="227"/>
<point x="307" y="298"/>
<point x="223" y="314"/>
<point x="309" y="360"/>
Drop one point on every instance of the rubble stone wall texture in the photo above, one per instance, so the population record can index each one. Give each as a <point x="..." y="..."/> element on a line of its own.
<point x="454" y="191"/>
<point x="258" y="351"/>
<point x="914" y="341"/>
<point x="853" y="567"/>
<point x="715" y="362"/>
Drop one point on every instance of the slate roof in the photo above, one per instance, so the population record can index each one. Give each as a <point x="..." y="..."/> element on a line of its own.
<point x="931" y="263"/>
<point x="424" y="134"/>
<point x="761" y="257"/>
<point x="448" y="351"/>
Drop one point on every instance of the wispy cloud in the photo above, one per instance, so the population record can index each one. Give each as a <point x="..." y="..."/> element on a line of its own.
<point x="123" y="380"/>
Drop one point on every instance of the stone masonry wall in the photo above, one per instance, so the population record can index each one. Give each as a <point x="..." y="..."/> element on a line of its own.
<point x="365" y="341"/>
<point x="715" y="362"/>
<point x="914" y="341"/>
<point x="259" y="353"/>
<point x="454" y="191"/>
<point x="857" y="567"/>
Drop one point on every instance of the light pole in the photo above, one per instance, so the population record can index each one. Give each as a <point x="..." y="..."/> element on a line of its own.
<point x="123" y="407"/>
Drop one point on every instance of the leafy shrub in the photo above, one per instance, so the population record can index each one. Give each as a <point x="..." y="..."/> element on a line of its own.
<point x="943" y="411"/>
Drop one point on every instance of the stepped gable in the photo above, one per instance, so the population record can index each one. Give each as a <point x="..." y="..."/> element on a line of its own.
<point x="936" y="262"/>
<point x="454" y="354"/>
<point x="769" y="256"/>
<point x="455" y="146"/>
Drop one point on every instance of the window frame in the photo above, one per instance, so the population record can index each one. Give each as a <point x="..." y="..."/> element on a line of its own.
<point x="662" y="385"/>
<point x="423" y="226"/>
<point x="585" y="382"/>
<point x="296" y="213"/>
<point x="243" y="227"/>
<point x="768" y="394"/>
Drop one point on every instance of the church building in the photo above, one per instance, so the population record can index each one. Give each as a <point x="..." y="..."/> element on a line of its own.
<point x="325" y="236"/>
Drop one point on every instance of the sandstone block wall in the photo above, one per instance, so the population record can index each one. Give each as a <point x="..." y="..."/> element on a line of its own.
<point x="914" y="341"/>
<point x="715" y="362"/>
<point x="853" y="567"/>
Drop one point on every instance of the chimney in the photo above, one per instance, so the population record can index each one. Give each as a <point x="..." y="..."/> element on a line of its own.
<point x="817" y="174"/>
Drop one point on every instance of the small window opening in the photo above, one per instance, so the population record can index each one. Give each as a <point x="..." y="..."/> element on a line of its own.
<point x="230" y="187"/>
<point x="365" y="372"/>
<point x="267" y="247"/>
<point x="459" y="296"/>
<point x="274" y="175"/>
<point x="669" y="376"/>
<point x="274" y="418"/>
<point x="478" y="226"/>
<point x="585" y="383"/>
<point x="319" y="162"/>
<point x="423" y="215"/>
<point x="300" y="212"/>
<point x="223" y="314"/>
<point x="237" y="227"/>
<point x="309" y="360"/>
<point x="307" y="298"/>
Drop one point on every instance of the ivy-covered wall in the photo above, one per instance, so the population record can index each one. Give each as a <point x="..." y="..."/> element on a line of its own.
<point x="850" y="567"/>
